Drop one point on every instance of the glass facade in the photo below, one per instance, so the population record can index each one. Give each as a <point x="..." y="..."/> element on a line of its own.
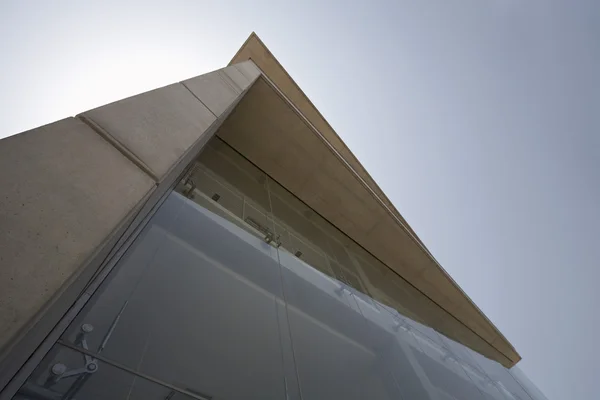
<point x="237" y="290"/>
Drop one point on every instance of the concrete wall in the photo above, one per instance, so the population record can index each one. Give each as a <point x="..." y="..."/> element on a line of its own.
<point x="70" y="191"/>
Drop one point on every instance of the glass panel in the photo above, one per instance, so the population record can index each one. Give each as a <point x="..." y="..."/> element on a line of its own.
<point x="505" y="382"/>
<point x="216" y="189"/>
<point x="335" y="358"/>
<point x="395" y="347"/>
<point x="236" y="171"/>
<point x="473" y="370"/>
<point x="292" y="384"/>
<point x="67" y="374"/>
<point x="225" y="183"/>
<point x="443" y="370"/>
<point x="284" y="237"/>
<point x="297" y="218"/>
<point x="529" y="386"/>
<point x="391" y="290"/>
<point x="354" y="282"/>
<point x="309" y="253"/>
<point x="193" y="303"/>
<point x="313" y="239"/>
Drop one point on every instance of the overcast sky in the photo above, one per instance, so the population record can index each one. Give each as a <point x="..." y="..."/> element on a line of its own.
<point x="479" y="118"/>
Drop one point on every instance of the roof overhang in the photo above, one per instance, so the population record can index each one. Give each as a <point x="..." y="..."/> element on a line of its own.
<point x="277" y="128"/>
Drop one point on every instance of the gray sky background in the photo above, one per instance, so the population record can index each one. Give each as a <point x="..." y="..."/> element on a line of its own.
<point x="479" y="118"/>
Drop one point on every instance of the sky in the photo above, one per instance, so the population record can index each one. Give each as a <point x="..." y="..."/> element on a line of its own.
<point x="479" y="118"/>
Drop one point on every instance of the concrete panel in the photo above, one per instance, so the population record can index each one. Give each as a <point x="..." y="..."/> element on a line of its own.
<point x="294" y="153"/>
<point x="249" y="69"/>
<point x="439" y="281"/>
<point x="65" y="189"/>
<point x="334" y="203"/>
<point x="215" y="90"/>
<point x="156" y="127"/>
<point x="391" y="242"/>
<point x="243" y="73"/>
<point x="355" y="212"/>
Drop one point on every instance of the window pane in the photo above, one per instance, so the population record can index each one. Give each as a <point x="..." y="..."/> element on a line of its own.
<point x="473" y="370"/>
<point x="335" y="356"/>
<point x="505" y="382"/>
<point x="529" y="386"/>
<point x="193" y="303"/>
<point x="225" y="183"/>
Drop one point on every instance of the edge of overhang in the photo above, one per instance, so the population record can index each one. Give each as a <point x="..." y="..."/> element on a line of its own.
<point x="377" y="189"/>
<point x="382" y="197"/>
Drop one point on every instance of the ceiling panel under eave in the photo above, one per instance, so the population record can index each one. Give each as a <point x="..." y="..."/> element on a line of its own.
<point x="276" y="127"/>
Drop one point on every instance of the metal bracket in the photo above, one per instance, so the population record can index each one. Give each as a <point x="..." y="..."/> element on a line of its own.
<point x="270" y="237"/>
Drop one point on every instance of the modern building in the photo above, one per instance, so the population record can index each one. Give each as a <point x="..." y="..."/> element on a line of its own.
<point x="215" y="239"/>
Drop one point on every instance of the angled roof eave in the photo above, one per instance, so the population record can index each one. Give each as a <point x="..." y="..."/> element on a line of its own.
<point x="254" y="49"/>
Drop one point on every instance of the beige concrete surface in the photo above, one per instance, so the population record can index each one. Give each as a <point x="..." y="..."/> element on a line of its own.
<point x="217" y="90"/>
<point x="243" y="73"/>
<point x="254" y="49"/>
<point x="59" y="201"/>
<point x="156" y="127"/>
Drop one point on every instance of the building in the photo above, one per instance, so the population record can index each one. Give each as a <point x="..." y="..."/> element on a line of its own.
<point x="215" y="239"/>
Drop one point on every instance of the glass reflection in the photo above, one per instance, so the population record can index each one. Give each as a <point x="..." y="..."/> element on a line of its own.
<point x="505" y="382"/>
<point x="228" y="185"/>
<point x="477" y="375"/>
<point x="334" y="357"/>
<point x="194" y="304"/>
<point x="529" y="386"/>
